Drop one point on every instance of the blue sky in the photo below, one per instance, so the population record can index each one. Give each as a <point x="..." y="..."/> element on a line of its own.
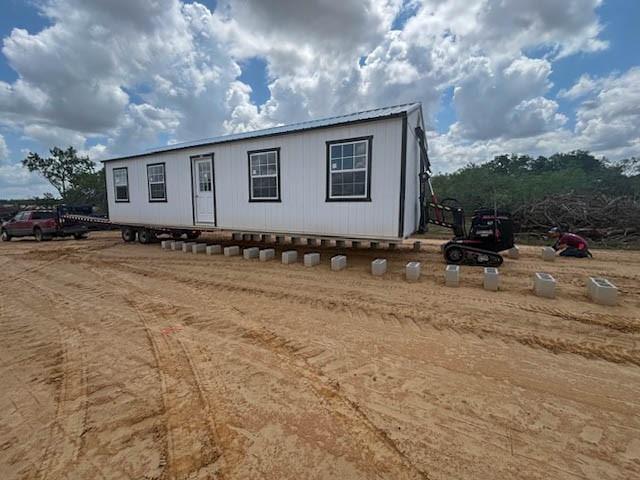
<point x="493" y="77"/>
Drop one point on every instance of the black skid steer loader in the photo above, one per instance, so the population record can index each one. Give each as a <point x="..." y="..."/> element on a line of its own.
<point x="490" y="232"/>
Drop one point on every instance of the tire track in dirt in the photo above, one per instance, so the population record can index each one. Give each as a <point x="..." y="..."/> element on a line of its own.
<point x="327" y="391"/>
<point x="192" y="445"/>
<point x="610" y="353"/>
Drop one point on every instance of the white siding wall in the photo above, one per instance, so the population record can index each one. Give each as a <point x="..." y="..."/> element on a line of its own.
<point x="303" y="176"/>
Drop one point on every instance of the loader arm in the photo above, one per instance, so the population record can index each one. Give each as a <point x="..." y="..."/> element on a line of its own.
<point x="431" y="211"/>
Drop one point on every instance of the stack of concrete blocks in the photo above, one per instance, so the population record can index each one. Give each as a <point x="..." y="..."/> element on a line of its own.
<point x="324" y="242"/>
<point x="340" y="243"/>
<point x="379" y="267"/>
<point x="548" y="254"/>
<point x="177" y="245"/>
<point x="199" y="248"/>
<point x="249" y="253"/>
<point x="491" y="279"/>
<point x="290" y="256"/>
<point x="602" y="291"/>
<point x="296" y="240"/>
<point x="280" y="239"/>
<point x="374" y="245"/>
<point x="393" y="246"/>
<point x="267" y="254"/>
<point x="412" y="271"/>
<point x="246" y="237"/>
<point x="514" y="252"/>
<point x="188" y="246"/>
<point x="214" y="249"/>
<point x="231" y="251"/>
<point x="312" y="242"/>
<point x="417" y="246"/>
<point x="165" y="244"/>
<point x="267" y="238"/>
<point x="452" y="275"/>
<point x="236" y="236"/>
<point x="338" y="262"/>
<point x="544" y="285"/>
<point x="311" y="259"/>
<point x="355" y="244"/>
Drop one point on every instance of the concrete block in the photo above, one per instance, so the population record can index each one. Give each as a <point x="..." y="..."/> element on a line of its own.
<point x="296" y="240"/>
<point x="324" y="242"/>
<point x="452" y="275"/>
<point x="417" y="246"/>
<point x="187" y="246"/>
<point x="312" y="242"/>
<point x="214" y="249"/>
<point x="290" y="256"/>
<point x="544" y="285"/>
<point x="311" y="259"/>
<point x="256" y="238"/>
<point x="166" y="244"/>
<point x="355" y="244"/>
<point x="374" y="244"/>
<point x="393" y="246"/>
<point x="249" y="253"/>
<point x="602" y="291"/>
<point x="341" y="243"/>
<point x="231" y="251"/>
<point x="267" y="238"/>
<point x="514" y="252"/>
<point x="176" y="245"/>
<point x="267" y="254"/>
<point x="199" y="248"/>
<point x="280" y="239"/>
<point x="548" y="254"/>
<point x="491" y="279"/>
<point x="412" y="271"/>
<point x="338" y="262"/>
<point x="236" y="236"/>
<point x="379" y="266"/>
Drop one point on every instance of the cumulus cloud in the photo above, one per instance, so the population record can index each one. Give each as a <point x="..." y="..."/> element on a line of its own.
<point x="120" y="76"/>
<point x="4" y="150"/>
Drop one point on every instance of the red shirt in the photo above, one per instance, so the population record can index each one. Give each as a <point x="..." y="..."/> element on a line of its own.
<point x="573" y="240"/>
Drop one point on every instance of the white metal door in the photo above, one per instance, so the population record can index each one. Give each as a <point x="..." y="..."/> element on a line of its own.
<point x="203" y="190"/>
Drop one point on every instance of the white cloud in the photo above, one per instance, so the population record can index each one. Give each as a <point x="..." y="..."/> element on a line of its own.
<point x="17" y="182"/>
<point x="4" y="150"/>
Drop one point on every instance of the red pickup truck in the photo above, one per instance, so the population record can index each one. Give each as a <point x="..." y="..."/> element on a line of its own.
<point x="41" y="224"/>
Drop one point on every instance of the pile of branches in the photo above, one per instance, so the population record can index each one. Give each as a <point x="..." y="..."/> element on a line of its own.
<point x="602" y="218"/>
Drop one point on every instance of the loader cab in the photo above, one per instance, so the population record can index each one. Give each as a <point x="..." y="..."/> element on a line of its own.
<point x="491" y="229"/>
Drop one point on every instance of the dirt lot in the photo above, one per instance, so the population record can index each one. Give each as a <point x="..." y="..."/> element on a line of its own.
<point x="125" y="361"/>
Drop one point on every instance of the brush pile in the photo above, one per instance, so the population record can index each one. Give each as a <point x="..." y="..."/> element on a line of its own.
<point x="605" y="219"/>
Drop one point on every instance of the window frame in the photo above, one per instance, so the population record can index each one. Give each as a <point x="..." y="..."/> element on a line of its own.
<point x="115" y="187"/>
<point x="164" y="182"/>
<point x="277" y="199"/>
<point x="361" y="198"/>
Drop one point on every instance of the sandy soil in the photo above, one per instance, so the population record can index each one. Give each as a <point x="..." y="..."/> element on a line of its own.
<point x="125" y="361"/>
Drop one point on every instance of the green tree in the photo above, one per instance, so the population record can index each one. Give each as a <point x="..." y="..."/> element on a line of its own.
<point x="88" y="189"/>
<point x="63" y="168"/>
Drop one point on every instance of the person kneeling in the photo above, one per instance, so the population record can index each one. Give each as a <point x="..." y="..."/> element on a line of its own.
<point x="569" y="244"/>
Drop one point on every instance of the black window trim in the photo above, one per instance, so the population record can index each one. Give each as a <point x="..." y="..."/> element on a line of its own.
<point x="264" y="200"/>
<point x="115" y="190"/>
<point x="366" y="198"/>
<point x="164" y="169"/>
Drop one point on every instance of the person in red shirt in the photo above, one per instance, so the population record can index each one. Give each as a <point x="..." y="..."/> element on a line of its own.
<point x="569" y="244"/>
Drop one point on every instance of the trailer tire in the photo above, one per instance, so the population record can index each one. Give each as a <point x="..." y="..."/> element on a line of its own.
<point x="193" y="235"/>
<point x="146" y="236"/>
<point x="176" y="234"/>
<point x="37" y="232"/>
<point x="128" y="235"/>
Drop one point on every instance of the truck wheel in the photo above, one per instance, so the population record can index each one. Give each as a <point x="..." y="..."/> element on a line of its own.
<point x="146" y="236"/>
<point x="38" y="234"/>
<point x="128" y="235"/>
<point x="79" y="236"/>
<point x="5" y="236"/>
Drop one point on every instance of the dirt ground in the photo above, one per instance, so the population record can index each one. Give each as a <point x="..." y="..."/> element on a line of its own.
<point x="126" y="361"/>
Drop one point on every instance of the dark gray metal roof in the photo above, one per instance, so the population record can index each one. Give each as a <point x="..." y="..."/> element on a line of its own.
<point x="367" y="115"/>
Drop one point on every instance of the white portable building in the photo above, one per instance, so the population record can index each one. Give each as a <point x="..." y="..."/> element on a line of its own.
<point x="350" y="176"/>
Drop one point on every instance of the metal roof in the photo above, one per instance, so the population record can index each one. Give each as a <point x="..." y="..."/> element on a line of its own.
<point x="375" y="114"/>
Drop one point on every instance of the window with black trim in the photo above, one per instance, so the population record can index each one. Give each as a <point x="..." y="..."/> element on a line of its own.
<point x="121" y="184"/>
<point x="157" y="182"/>
<point x="264" y="175"/>
<point x="349" y="169"/>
